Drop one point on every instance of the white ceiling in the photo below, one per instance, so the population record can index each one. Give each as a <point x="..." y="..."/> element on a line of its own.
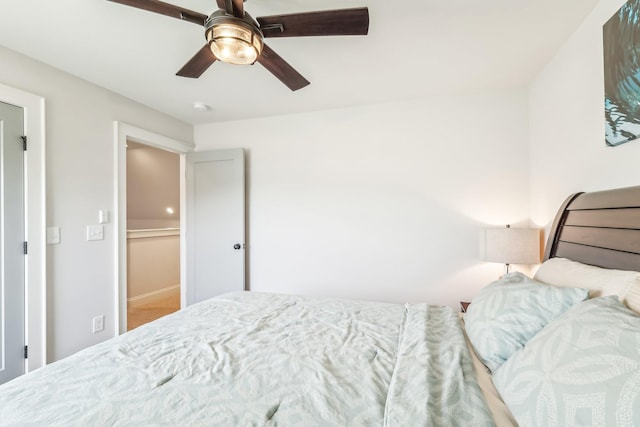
<point x="414" y="48"/>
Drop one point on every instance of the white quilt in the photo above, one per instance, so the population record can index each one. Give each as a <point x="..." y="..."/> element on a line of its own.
<point x="251" y="359"/>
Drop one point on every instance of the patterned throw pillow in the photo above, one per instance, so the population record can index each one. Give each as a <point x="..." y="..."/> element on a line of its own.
<point x="509" y="312"/>
<point x="583" y="369"/>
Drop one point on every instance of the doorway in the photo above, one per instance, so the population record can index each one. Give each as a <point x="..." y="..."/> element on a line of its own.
<point x="123" y="135"/>
<point x="153" y="233"/>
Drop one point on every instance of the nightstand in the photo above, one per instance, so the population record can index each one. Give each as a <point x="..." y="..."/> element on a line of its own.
<point x="464" y="305"/>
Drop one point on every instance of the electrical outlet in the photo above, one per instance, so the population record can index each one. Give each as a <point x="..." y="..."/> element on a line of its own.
<point x="98" y="323"/>
<point x="53" y="235"/>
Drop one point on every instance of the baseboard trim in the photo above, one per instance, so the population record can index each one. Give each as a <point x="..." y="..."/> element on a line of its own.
<point x="150" y="296"/>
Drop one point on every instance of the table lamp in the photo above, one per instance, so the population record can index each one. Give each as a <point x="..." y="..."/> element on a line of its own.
<point x="512" y="245"/>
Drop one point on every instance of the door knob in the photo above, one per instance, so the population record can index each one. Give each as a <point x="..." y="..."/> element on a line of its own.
<point x="237" y="246"/>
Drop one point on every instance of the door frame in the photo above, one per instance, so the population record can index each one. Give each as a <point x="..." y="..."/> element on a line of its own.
<point x="123" y="132"/>
<point x="35" y="223"/>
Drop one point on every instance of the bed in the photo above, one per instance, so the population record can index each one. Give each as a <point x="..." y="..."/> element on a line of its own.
<point x="253" y="359"/>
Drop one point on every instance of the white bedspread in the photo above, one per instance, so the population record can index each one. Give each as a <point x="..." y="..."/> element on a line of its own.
<point x="250" y="359"/>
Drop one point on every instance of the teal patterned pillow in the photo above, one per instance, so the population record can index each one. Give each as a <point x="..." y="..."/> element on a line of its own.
<point x="509" y="312"/>
<point x="583" y="369"/>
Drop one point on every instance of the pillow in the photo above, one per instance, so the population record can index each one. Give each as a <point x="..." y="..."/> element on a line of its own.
<point x="583" y="369"/>
<point x="599" y="281"/>
<point x="507" y="313"/>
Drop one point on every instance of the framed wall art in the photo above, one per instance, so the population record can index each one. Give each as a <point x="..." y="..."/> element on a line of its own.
<point x="621" y="41"/>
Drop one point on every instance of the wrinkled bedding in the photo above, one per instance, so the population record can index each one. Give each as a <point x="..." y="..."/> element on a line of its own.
<point x="252" y="359"/>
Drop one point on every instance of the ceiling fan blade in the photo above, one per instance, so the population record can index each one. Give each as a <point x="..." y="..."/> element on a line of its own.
<point x="281" y="69"/>
<point x="166" y="9"/>
<point x="197" y="65"/>
<point x="340" y="22"/>
<point x="225" y="5"/>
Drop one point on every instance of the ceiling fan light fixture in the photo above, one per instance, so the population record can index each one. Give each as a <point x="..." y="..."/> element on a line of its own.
<point x="234" y="40"/>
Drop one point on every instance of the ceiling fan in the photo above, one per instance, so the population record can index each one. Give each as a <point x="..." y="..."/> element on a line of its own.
<point x="233" y="36"/>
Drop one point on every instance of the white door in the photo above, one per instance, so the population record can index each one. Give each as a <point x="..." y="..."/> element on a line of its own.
<point x="12" y="249"/>
<point x="215" y="223"/>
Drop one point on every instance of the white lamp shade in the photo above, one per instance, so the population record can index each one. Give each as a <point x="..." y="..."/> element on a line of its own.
<point x="512" y="245"/>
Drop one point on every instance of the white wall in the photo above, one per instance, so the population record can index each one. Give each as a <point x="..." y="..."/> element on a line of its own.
<point x="153" y="185"/>
<point x="153" y="261"/>
<point x="568" y="152"/>
<point x="80" y="181"/>
<point x="381" y="202"/>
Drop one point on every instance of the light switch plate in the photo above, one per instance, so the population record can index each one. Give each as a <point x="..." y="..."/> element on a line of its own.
<point x="95" y="232"/>
<point x="103" y="216"/>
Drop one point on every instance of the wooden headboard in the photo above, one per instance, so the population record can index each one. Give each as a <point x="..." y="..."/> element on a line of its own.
<point x="600" y="228"/>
